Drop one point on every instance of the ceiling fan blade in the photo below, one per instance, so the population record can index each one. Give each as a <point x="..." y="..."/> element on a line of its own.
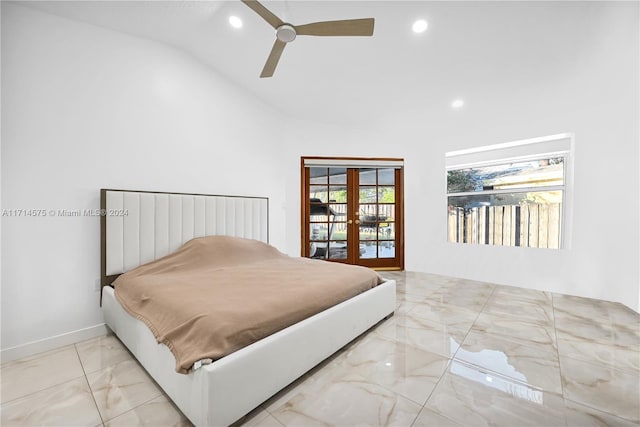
<point x="349" y="27"/>
<point x="273" y="59"/>
<point x="265" y="13"/>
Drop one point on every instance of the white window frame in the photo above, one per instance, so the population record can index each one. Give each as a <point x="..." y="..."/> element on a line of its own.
<point x="552" y="146"/>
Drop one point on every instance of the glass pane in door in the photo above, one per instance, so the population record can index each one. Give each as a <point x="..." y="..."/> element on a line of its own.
<point x="386" y="194"/>
<point x="368" y="194"/>
<point x="338" y="250"/>
<point x="386" y="249"/>
<point x="318" y="175"/>
<point x="319" y="192"/>
<point x="367" y="176"/>
<point x="368" y="250"/>
<point x="386" y="176"/>
<point x="318" y="232"/>
<point x="386" y="231"/>
<point x="338" y="176"/>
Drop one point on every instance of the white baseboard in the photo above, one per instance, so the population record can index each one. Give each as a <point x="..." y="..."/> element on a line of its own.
<point x="46" y="344"/>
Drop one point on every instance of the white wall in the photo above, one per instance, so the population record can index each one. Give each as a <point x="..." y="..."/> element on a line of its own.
<point x="86" y="108"/>
<point x="597" y="99"/>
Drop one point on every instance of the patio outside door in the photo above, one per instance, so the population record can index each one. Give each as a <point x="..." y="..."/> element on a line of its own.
<point x="352" y="211"/>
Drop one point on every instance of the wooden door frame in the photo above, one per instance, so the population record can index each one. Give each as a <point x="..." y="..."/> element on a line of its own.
<point x="305" y="207"/>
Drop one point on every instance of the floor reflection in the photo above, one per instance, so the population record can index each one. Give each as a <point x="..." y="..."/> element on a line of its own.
<point x="489" y="379"/>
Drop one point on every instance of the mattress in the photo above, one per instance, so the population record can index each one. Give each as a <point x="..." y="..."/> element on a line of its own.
<point x="218" y="294"/>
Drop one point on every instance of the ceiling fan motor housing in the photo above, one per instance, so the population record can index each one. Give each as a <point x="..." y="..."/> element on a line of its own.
<point x="286" y="33"/>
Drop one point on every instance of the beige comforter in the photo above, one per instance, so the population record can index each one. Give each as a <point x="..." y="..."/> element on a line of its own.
<point x="218" y="294"/>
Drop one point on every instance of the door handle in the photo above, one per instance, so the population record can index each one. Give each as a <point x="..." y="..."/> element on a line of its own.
<point x="350" y="222"/>
<point x="357" y="221"/>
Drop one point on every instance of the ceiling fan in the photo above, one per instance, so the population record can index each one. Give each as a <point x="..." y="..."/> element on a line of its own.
<point x="286" y="33"/>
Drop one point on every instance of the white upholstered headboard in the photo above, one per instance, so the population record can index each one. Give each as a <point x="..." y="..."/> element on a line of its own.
<point x="138" y="226"/>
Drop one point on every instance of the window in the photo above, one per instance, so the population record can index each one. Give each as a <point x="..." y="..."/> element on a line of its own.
<point x="494" y="198"/>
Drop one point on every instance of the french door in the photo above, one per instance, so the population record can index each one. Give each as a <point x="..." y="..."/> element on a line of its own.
<point x="352" y="211"/>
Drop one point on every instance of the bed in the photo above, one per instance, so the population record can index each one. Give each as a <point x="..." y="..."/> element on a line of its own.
<point x="138" y="227"/>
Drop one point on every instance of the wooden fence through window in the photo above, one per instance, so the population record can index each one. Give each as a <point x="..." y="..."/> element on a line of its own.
<point x="533" y="225"/>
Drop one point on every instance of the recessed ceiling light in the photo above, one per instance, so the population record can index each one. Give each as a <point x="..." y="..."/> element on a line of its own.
<point x="420" y="26"/>
<point x="235" y="22"/>
<point x="458" y="103"/>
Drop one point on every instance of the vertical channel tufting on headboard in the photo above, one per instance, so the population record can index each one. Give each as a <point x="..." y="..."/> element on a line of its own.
<point x="139" y="226"/>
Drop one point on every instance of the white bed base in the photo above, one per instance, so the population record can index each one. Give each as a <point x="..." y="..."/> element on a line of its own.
<point x="139" y="227"/>
<point x="224" y="391"/>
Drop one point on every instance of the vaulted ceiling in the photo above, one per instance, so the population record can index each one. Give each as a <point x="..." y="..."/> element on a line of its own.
<point x="471" y="50"/>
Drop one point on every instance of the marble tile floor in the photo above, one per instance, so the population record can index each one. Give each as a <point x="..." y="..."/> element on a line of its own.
<point x="456" y="353"/>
